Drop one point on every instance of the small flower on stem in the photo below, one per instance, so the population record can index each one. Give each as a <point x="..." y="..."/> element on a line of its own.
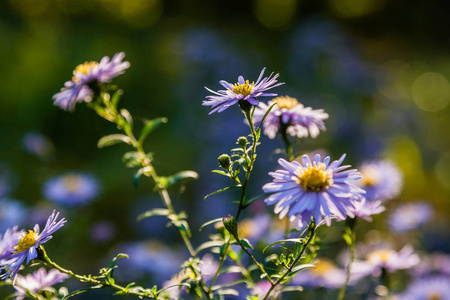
<point x="87" y="77"/>
<point x="290" y="116"/>
<point x="28" y="244"/>
<point x="242" y="92"/>
<point x="314" y="189"/>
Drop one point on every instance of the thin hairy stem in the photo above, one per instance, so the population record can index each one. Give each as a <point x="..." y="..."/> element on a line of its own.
<point x="221" y="261"/>
<point x="351" y="229"/>
<point x="312" y="228"/>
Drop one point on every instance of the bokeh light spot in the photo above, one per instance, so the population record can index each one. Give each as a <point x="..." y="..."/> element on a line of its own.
<point x="355" y="8"/>
<point x="442" y="170"/>
<point x="431" y="91"/>
<point x="275" y="14"/>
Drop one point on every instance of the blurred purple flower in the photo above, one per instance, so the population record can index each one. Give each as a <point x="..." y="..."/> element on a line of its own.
<point x="385" y="258"/>
<point x="37" y="281"/>
<point x="254" y="228"/>
<point x="149" y="258"/>
<point x="409" y="216"/>
<point x="102" y="231"/>
<point x="73" y="188"/>
<point x="241" y="91"/>
<point x="12" y="212"/>
<point x="325" y="274"/>
<point x="37" y="144"/>
<point x="27" y="245"/>
<point x="430" y="288"/>
<point x="381" y="180"/>
<point x="87" y="76"/>
<point x="261" y="289"/>
<point x="365" y="209"/>
<point x="290" y="115"/>
<point x="316" y="188"/>
<point x="432" y="264"/>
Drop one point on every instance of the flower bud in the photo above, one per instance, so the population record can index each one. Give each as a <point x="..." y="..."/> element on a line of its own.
<point x="225" y="161"/>
<point x="242" y="141"/>
<point x="229" y="222"/>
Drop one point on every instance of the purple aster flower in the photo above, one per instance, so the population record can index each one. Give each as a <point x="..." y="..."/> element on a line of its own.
<point x="382" y="180"/>
<point x="325" y="274"/>
<point x="365" y="209"/>
<point x="37" y="281"/>
<point x="316" y="188"/>
<point x="385" y="258"/>
<point x="409" y="216"/>
<point x="241" y="91"/>
<point x="8" y="241"/>
<point x="290" y="115"/>
<point x="430" y="288"/>
<point x="73" y="188"/>
<point x="87" y="76"/>
<point x="27" y="245"/>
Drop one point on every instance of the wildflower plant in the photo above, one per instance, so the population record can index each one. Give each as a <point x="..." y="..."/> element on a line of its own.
<point x="307" y="192"/>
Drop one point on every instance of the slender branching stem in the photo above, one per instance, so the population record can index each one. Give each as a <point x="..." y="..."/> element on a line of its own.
<point x="352" y="235"/>
<point x="89" y="279"/>
<point x="221" y="261"/>
<point x="312" y="228"/>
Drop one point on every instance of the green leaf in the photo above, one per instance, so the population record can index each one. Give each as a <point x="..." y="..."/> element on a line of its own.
<point x="126" y="114"/>
<point x="149" y="126"/>
<point x="81" y="291"/>
<point x="171" y="286"/>
<point x="265" y="115"/>
<point x="209" y="244"/>
<point x="222" y="190"/>
<point x="153" y="212"/>
<point x="300" y="268"/>
<point x="247" y="202"/>
<point x="220" y="172"/>
<point x="231" y="292"/>
<point x="210" y="222"/>
<point x="113" y="139"/>
<point x="116" y="98"/>
<point x="137" y="176"/>
<point x="246" y="243"/>
<point x="283" y="241"/>
<point x="181" y="176"/>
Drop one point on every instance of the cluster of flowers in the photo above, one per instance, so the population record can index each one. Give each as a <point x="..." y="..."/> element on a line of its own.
<point x="308" y="189"/>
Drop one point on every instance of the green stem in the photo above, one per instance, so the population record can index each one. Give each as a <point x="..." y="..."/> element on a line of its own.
<point x="221" y="261"/>
<point x="352" y="234"/>
<point x="312" y="228"/>
<point x="89" y="279"/>
<point x="260" y="266"/>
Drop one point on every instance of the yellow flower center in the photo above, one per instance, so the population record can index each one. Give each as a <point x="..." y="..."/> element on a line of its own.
<point x="323" y="266"/>
<point x="27" y="241"/>
<point x="285" y="102"/>
<point x="84" y="68"/>
<point x="243" y="89"/>
<point x="379" y="255"/>
<point x="370" y="176"/>
<point x="434" y="296"/>
<point x="314" y="177"/>
<point x="71" y="182"/>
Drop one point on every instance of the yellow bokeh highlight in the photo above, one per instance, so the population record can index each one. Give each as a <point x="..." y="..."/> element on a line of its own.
<point x="355" y="8"/>
<point x="136" y="13"/>
<point x="275" y="14"/>
<point x="431" y="92"/>
<point x="442" y="170"/>
<point x="407" y="156"/>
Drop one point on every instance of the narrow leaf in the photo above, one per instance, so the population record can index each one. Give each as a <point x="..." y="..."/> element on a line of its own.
<point x="113" y="139"/>
<point x="209" y="244"/>
<point x="222" y="190"/>
<point x="149" y="126"/>
<point x="81" y="291"/>
<point x="180" y="176"/>
<point x="283" y="241"/>
<point x="300" y="268"/>
<point x="210" y="222"/>
<point x="266" y="114"/>
<point x="153" y="212"/>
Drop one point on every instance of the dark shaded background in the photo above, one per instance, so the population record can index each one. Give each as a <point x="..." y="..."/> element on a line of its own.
<point x="362" y="61"/>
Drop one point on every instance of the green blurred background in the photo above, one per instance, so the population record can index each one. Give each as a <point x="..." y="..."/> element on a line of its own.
<point x="379" y="68"/>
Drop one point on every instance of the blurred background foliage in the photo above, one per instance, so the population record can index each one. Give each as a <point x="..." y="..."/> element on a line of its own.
<point x="380" y="69"/>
